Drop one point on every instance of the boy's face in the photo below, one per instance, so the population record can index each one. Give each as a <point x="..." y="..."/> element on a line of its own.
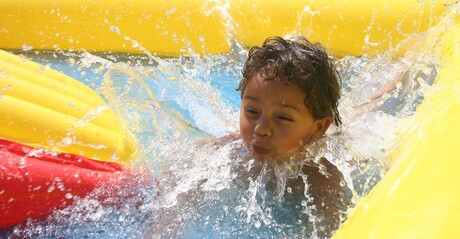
<point x="274" y="121"/>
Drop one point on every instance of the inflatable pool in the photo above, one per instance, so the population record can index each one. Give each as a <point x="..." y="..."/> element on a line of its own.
<point x="54" y="144"/>
<point x="416" y="197"/>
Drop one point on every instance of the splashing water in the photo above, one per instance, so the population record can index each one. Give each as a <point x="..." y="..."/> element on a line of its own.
<point x="219" y="192"/>
<point x="215" y="190"/>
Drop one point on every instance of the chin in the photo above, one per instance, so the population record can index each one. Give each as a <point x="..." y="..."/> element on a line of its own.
<point x="269" y="160"/>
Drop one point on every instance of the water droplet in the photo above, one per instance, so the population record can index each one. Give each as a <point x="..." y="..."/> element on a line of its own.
<point x="26" y="47"/>
<point x="66" y="141"/>
<point x="115" y="29"/>
<point x="38" y="153"/>
<point x="257" y="224"/>
<point x="22" y="162"/>
<point x="114" y="157"/>
<point x="304" y="203"/>
<point x="68" y="196"/>
<point x="60" y="186"/>
<point x="71" y="60"/>
<point x="52" y="153"/>
<point x="175" y="38"/>
<point x="51" y="188"/>
<point x="170" y="11"/>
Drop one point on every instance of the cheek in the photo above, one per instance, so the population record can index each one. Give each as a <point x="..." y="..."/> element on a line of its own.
<point x="245" y="128"/>
<point x="296" y="139"/>
<point x="242" y="122"/>
<point x="304" y="138"/>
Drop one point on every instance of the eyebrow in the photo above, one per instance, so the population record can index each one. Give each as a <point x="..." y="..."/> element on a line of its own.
<point x="283" y="104"/>
<point x="248" y="97"/>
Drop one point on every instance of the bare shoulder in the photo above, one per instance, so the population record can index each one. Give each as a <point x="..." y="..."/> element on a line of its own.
<point x="325" y="178"/>
<point x="331" y="198"/>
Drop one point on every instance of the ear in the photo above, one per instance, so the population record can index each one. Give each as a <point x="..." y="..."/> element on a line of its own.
<point x="321" y="126"/>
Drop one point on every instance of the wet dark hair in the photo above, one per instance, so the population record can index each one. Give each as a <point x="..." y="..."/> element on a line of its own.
<point x="297" y="61"/>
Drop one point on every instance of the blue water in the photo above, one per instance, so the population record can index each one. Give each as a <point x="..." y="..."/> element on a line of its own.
<point x="208" y="192"/>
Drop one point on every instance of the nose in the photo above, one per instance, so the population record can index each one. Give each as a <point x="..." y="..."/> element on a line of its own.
<point x="262" y="128"/>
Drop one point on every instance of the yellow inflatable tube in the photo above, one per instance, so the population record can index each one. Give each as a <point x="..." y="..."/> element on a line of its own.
<point x="42" y="107"/>
<point x="171" y="28"/>
<point x="419" y="197"/>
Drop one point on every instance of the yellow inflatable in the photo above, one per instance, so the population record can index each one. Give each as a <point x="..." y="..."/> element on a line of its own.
<point x="42" y="107"/>
<point x="169" y="28"/>
<point x="418" y="198"/>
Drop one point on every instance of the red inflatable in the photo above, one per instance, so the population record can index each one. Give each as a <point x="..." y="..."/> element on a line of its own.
<point x="34" y="182"/>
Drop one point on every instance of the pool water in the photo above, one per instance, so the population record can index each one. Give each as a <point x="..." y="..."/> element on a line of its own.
<point x="174" y="106"/>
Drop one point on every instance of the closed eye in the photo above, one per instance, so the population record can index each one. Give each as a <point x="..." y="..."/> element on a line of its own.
<point x="250" y="110"/>
<point x="286" y="118"/>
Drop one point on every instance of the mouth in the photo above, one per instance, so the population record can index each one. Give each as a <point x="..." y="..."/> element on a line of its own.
<point x="260" y="151"/>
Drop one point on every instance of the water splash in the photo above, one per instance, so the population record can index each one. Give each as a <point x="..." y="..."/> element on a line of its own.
<point x="221" y="192"/>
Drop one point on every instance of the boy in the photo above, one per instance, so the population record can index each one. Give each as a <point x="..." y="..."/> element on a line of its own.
<point x="290" y="92"/>
<point x="289" y="97"/>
